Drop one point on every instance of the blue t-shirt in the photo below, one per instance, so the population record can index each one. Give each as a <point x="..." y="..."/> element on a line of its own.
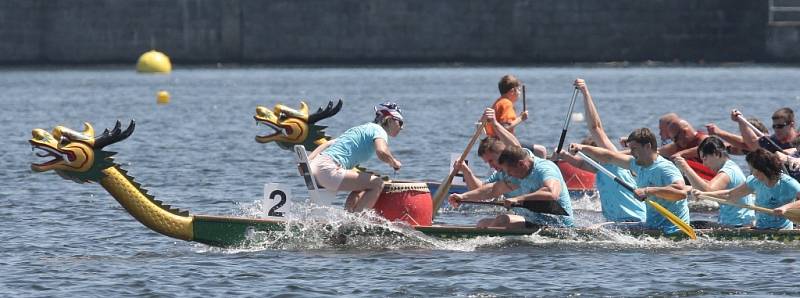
<point x="661" y="173"/>
<point x="783" y="192"/>
<point x="619" y="204"/>
<point x="543" y="170"/>
<point x="496" y="176"/>
<point x="356" y="145"/>
<point x="731" y="215"/>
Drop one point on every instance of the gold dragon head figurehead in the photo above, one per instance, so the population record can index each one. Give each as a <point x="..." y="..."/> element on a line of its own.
<point x="74" y="155"/>
<point x="291" y="127"/>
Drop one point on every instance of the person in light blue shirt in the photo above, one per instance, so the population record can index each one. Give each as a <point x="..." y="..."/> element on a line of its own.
<point x="618" y="204"/>
<point x="714" y="156"/>
<point x="332" y="163"/>
<point x="657" y="179"/>
<point x="539" y="179"/>
<point x="774" y="189"/>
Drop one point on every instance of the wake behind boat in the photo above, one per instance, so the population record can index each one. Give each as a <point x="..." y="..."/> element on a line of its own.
<point x="80" y="157"/>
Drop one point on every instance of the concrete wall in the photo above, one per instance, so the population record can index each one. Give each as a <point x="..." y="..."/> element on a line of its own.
<point x="389" y="31"/>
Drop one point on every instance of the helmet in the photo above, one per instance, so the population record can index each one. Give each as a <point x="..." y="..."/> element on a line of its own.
<point x="387" y="109"/>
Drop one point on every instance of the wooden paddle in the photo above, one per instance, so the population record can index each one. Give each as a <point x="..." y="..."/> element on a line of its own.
<point x="683" y="226"/>
<point x="444" y="188"/>
<point x="566" y="123"/>
<point x="524" y="104"/>
<point x="790" y="214"/>
<point x="550" y="207"/>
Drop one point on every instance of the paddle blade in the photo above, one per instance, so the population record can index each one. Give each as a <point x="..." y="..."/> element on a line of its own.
<point x="683" y="226"/>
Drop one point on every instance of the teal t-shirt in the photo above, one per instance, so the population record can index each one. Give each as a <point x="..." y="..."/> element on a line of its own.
<point x="731" y="215"/>
<point x="783" y="192"/>
<point x="356" y="145"/>
<point x="618" y="203"/>
<point x="496" y="176"/>
<point x="661" y="173"/>
<point x="543" y="170"/>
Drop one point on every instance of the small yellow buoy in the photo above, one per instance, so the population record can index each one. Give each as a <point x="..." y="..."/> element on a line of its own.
<point x="162" y="97"/>
<point x="154" y="62"/>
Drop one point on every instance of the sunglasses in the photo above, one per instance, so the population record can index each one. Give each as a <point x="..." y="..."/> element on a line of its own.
<point x="399" y="122"/>
<point x="780" y="126"/>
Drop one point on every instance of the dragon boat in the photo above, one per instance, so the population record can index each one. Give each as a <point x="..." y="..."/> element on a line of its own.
<point x="82" y="157"/>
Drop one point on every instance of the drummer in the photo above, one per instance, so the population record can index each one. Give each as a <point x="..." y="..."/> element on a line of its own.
<point x="332" y="163"/>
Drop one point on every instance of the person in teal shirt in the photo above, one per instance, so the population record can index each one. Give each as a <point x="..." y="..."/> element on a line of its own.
<point x="539" y="179"/>
<point x="657" y="178"/>
<point x="332" y="163"/>
<point x="773" y="188"/>
<point x="714" y="156"/>
<point x="618" y="204"/>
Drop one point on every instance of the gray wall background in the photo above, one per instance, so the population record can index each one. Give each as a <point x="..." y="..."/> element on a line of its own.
<point x="392" y="31"/>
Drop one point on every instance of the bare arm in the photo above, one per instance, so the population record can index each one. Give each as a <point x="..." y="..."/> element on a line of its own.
<point x="668" y="150"/>
<point x="719" y="182"/>
<point x="602" y="155"/>
<point x="482" y="193"/>
<point x="792" y="205"/>
<point x="576" y="161"/>
<point x="727" y="194"/>
<point x="749" y="136"/>
<point x="320" y="148"/>
<point x="674" y="192"/>
<point x="500" y="130"/>
<point x="383" y="153"/>
<point x="735" y="140"/>
<point x="593" y="118"/>
<point x="690" y="153"/>
<point x="469" y="177"/>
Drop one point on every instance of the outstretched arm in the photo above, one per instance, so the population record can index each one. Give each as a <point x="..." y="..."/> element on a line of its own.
<point x="674" y="192"/>
<point x="726" y="194"/>
<point x="736" y="141"/>
<point x="603" y="155"/>
<point x="593" y="118"/>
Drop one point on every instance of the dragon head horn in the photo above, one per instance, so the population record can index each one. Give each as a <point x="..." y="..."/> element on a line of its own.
<point x="115" y="135"/>
<point x="329" y="111"/>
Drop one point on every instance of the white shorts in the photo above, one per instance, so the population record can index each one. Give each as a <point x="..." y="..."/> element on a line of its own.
<point x="327" y="172"/>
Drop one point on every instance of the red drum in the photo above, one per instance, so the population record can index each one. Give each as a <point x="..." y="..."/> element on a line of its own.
<point x="577" y="179"/>
<point x="408" y="202"/>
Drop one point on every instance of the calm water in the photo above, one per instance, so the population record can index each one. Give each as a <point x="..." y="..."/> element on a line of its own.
<point x="60" y="238"/>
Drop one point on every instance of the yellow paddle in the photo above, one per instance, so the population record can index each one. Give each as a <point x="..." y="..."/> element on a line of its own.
<point x="444" y="188"/>
<point x="683" y="226"/>
<point x="790" y="214"/>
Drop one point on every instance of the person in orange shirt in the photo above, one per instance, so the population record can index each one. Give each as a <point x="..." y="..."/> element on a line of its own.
<point x="510" y="89"/>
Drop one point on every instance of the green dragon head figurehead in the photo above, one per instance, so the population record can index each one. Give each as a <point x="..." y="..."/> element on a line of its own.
<point x="76" y="156"/>
<point x="292" y="127"/>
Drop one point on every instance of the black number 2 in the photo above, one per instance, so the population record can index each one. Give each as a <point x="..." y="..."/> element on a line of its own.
<point x="272" y="196"/>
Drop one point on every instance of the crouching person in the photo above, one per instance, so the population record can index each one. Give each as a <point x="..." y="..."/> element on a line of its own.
<point x="536" y="179"/>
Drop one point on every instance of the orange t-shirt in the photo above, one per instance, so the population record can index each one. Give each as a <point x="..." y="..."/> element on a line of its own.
<point x="505" y="114"/>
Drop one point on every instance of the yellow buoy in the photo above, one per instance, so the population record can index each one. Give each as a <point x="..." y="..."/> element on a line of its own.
<point x="154" y="62"/>
<point x="162" y="97"/>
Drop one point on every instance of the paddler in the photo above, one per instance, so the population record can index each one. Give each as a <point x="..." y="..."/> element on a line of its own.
<point x="773" y="189"/>
<point x="537" y="179"/>
<point x="490" y="150"/>
<point x="332" y="163"/>
<point x="656" y="178"/>
<point x="510" y="90"/>
<point x="782" y="123"/>
<point x="713" y="154"/>
<point x="618" y="204"/>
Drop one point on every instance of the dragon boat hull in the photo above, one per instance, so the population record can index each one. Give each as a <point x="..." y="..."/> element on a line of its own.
<point x="232" y="232"/>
